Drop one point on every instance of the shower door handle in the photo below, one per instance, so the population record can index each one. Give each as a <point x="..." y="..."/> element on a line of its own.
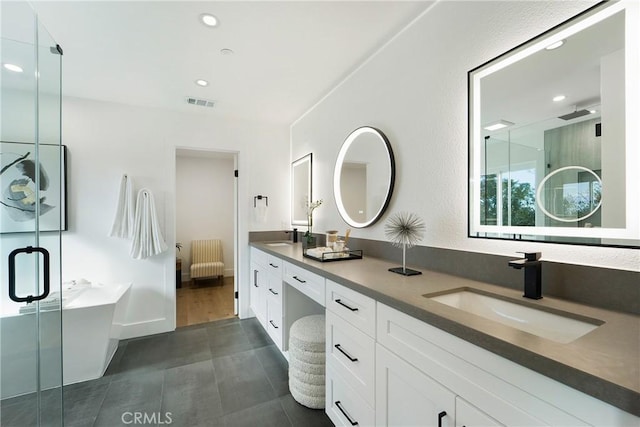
<point x="12" y="274"/>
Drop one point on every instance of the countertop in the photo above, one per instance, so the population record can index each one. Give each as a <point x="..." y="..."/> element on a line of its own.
<point x="605" y="363"/>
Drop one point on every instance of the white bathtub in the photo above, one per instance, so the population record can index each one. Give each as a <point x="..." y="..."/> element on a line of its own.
<point x="92" y="318"/>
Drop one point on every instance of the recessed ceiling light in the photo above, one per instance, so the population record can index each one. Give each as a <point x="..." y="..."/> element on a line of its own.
<point x="226" y="51"/>
<point x="500" y="124"/>
<point x="555" y="45"/>
<point x="559" y="98"/>
<point x="209" y="20"/>
<point x="201" y="82"/>
<point x="592" y="111"/>
<point x="13" y="67"/>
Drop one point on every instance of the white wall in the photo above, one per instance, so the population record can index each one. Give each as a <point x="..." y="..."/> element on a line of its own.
<point x="106" y="140"/>
<point x="415" y="90"/>
<point x="204" y="206"/>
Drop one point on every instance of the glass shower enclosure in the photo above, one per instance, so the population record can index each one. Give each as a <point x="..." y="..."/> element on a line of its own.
<point x="32" y="216"/>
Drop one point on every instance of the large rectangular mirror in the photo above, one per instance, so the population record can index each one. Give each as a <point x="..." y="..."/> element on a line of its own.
<point x="300" y="189"/>
<point x="554" y="134"/>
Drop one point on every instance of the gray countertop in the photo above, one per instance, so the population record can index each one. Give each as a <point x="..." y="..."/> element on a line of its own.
<point x="604" y="363"/>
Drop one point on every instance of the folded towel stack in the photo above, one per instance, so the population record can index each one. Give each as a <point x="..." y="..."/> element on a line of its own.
<point x="307" y="361"/>
<point x="317" y="252"/>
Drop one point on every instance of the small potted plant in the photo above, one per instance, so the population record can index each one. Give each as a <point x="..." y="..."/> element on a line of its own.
<point x="309" y="240"/>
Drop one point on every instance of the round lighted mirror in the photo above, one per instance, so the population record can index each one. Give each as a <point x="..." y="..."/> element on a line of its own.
<point x="363" y="177"/>
<point x="570" y="194"/>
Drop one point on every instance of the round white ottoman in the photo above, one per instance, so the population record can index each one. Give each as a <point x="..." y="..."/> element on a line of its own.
<point x="306" y="361"/>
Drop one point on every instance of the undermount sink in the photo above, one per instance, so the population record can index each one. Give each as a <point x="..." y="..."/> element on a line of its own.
<point x="554" y="325"/>
<point x="278" y="244"/>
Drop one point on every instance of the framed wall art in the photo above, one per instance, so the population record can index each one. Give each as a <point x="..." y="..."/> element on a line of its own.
<point x="20" y="203"/>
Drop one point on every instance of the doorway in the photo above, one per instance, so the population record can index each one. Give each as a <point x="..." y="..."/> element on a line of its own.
<point x="206" y="208"/>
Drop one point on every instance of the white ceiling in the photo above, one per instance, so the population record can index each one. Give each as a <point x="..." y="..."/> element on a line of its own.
<point x="288" y="55"/>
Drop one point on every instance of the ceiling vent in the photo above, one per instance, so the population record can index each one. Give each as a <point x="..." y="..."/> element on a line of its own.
<point x="200" y="102"/>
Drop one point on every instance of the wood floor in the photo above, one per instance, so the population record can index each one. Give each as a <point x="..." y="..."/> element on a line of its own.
<point x="204" y="302"/>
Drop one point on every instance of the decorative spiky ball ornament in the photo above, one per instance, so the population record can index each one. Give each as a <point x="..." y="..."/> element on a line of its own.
<point x="405" y="230"/>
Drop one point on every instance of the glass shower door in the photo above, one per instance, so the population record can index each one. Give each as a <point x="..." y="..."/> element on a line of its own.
<point x="31" y="220"/>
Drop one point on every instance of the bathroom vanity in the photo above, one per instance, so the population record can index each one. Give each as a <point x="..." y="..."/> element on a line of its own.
<point x="398" y="357"/>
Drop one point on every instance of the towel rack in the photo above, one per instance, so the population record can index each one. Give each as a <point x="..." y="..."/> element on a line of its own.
<point x="260" y="197"/>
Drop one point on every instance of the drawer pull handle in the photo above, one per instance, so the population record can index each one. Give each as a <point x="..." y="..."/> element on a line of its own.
<point x="272" y="291"/>
<point x="273" y="324"/>
<point x="353" y="423"/>
<point x="339" y="301"/>
<point x="299" y="280"/>
<point x="441" y="415"/>
<point x="273" y="265"/>
<point x="353" y="359"/>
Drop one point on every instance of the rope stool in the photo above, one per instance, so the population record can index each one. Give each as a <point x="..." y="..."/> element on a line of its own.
<point x="306" y="361"/>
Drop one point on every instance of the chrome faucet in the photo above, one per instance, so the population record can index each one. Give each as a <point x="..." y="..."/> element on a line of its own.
<point x="532" y="273"/>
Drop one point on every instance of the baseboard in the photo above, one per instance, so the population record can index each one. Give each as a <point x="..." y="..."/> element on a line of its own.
<point x="227" y="273"/>
<point x="141" y="329"/>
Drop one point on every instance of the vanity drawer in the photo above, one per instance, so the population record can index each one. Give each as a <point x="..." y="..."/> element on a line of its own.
<point x="274" y="321"/>
<point x="351" y="353"/>
<point x="343" y="405"/>
<point x="273" y="264"/>
<point x="258" y="256"/>
<point x="266" y="260"/>
<point x="273" y="286"/>
<point x="357" y="309"/>
<point x="310" y="284"/>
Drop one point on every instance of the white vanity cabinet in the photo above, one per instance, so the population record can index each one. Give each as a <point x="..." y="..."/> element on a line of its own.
<point x="274" y="320"/>
<point x="357" y="309"/>
<point x="468" y="415"/>
<point x="266" y="295"/>
<point x="350" y="355"/>
<point x="387" y="368"/>
<point x="310" y="284"/>
<point x="467" y="372"/>
<point x="408" y="397"/>
<point x="405" y="396"/>
<point x="257" y="295"/>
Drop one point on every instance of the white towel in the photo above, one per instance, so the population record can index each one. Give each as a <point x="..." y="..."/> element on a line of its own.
<point x="123" y="222"/>
<point x="260" y="213"/>
<point x="147" y="237"/>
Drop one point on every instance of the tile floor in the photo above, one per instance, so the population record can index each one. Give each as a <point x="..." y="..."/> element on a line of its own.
<point x="223" y="373"/>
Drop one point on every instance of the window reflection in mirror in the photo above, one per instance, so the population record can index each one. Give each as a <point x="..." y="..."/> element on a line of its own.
<point x="550" y="135"/>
